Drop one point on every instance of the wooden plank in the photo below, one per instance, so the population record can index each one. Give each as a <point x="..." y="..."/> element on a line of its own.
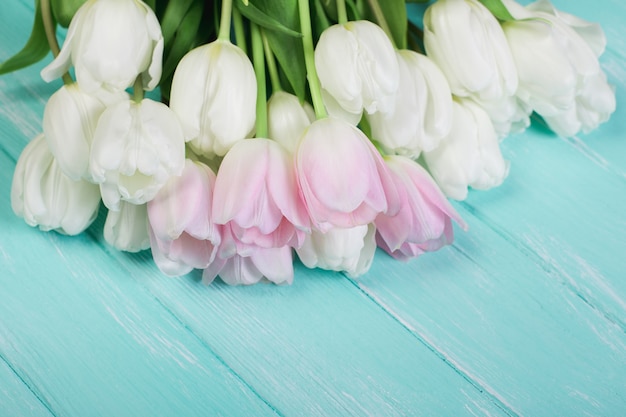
<point x="532" y="299"/>
<point x="17" y="398"/>
<point x="531" y="302"/>
<point x="508" y="324"/>
<point x="318" y="347"/>
<point x="571" y="219"/>
<point x="93" y="342"/>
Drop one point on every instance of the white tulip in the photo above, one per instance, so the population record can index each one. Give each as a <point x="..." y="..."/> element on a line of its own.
<point x="110" y="43"/>
<point x="44" y="196"/>
<point x="214" y="94"/>
<point x="423" y="109"/>
<point x="470" y="155"/>
<point x="127" y="228"/>
<point x="287" y="119"/>
<point x="466" y="41"/>
<point x="136" y="148"/>
<point x="357" y="68"/>
<point x="349" y="250"/>
<point x="557" y="61"/>
<point x="69" y="122"/>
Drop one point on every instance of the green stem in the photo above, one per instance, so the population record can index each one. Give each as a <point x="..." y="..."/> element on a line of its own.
<point x="258" y="59"/>
<point x="271" y="64"/>
<point x="240" y="34"/>
<point x="50" y="29"/>
<point x="380" y="18"/>
<point x="309" y="59"/>
<point x="342" y="14"/>
<point x="138" y="89"/>
<point x="227" y="11"/>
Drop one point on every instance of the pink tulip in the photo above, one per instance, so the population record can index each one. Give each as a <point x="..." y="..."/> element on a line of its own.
<point x="257" y="195"/>
<point x="423" y="223"/>
<point x="273" y="264"/>
<point x="342" y="177"/>
<point x="182" y="235"/>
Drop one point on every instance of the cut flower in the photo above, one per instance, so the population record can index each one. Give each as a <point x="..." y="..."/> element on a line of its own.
<point x="136" y="148"/>
<point x="44" y="196"/>
<point x="214" y="94"/>
<point x="110" y="43"/>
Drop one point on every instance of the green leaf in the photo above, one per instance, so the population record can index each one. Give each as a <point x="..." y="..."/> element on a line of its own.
<point x="185" y="37"/>
<point x="256" y="13"/>
<point x="286" y="47"/>
<point x="35" y="49"/>
<point x="184" y="40"/>
<point x="319" y="19"/>
<point x="173" y="16"/>
<point x="396" y="17"/>
<point x="498" y="9"/>
<point x="64" y="10"/>
<point x="354" y="12"/>
<point x="151" y="4"/>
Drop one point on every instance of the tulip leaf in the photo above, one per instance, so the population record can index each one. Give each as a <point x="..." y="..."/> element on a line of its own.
<point x="285" y="44"/>
<point x="498" y="9"/>
<point x="35" y="49"/>
<point x="173" y="16"/>
<point x="185" y="37"/>
<point x="64" y="10"/>
<point x="258" y="15"/>
<point x="319" y="19"/>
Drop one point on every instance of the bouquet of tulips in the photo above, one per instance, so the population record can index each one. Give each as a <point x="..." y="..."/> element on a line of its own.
<point x="284" y="128"/>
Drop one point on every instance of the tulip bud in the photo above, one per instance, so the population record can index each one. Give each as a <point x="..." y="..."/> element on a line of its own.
<point x="556" y="55"/>
<point x="424" y="222"/>
<point x="69" y="121"/>
<point x="470" y="155"/>
<point x="287" y="118"/>
<point x="127" y="228"/>
<point x="342" y="177"/>
<point x="214" y="94"/>
<point x="46" y="197"/>
<point x="357" y="68"/>
<point x="466" y="41"/>
<point x="422" y="114"/>
<point x="136" y="148"/>
<point x="110" y="43"/>
<point x="257" y="193"/>
<point x="182" y="234"/>
<point x="350" y="250"/>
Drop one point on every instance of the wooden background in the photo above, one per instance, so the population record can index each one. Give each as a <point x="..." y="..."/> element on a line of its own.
<point x="525" y="315"/>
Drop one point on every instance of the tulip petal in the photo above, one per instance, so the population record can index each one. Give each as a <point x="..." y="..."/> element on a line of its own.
<point x="276" y="264"/>
<point x="240" y="181"/>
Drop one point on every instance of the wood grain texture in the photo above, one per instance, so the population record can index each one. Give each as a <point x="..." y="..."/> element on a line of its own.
<point x="524" y="315"/>
<point x="89" y="341"/>
<point x="16" y="397"/>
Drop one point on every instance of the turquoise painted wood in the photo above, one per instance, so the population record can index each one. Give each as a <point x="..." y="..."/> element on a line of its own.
<point x="525" y="315"/>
